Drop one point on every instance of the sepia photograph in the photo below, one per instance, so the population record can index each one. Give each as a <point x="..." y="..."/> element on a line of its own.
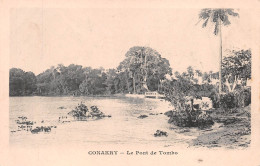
<point x="122" y="81"/>
<point x="167" y="95"/>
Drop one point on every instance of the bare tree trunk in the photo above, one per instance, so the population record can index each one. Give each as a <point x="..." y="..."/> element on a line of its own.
<point x="235" y="83"/>
<point x="127" y="85"/>
<point x="159" y="85"/>
<point x="220" y="58"/>
<point x="134" y="82"/>
<point x="145" y="70"/>
<point x="127" y="82"/>
<point x="228" y="85"/>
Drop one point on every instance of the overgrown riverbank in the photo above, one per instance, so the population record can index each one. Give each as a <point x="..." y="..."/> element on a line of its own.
<point x="234" y="130"/>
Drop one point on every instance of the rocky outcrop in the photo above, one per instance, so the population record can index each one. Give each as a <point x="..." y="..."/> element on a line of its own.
<point x="82" y="112"/>
<point x="160" y="133"/>
<point x="45" y="129"/>
<point x="79" y="111"/>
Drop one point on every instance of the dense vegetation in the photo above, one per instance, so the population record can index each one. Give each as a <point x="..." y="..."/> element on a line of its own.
<point x="142" y="69"/>
<point x="21" y="83"/>
<point x="183" y="89"/>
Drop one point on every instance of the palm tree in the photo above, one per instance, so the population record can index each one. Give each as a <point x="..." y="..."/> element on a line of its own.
<point x="218" y="17"/>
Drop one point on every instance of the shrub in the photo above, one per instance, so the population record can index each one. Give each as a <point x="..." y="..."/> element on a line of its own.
<point x="243" y="97"/>
<point x="199" y="119"/>
<point x="239" y="98"/>
<point x="227" y="101"/>
<point x="181" y="93"/>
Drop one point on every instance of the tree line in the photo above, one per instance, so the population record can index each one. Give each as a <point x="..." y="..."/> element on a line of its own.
<point x="142" y="69"/>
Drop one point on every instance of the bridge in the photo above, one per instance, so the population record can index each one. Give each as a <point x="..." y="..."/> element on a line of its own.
<point x="155" y="95"/>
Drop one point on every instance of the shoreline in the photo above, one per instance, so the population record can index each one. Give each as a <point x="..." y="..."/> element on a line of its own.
<point x="234" y="131"/>
<point x="113" y="95"/>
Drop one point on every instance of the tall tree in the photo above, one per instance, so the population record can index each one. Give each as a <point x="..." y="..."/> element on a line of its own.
<point x="218" y="17"/>
<point x="146" y="67"/>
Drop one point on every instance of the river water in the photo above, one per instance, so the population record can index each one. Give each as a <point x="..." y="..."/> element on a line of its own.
<point x="123" y="128"/>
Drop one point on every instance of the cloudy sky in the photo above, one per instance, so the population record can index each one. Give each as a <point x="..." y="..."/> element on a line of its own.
<point x="41" y="38"/>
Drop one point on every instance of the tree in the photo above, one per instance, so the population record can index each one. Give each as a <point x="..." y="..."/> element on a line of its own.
<point x="190" y="72"/>
<point x="137" y="58"/>
<point x="198" y="72"/>
<point x="124" y="73"/>
<point x="218" y="17"/>
<point x="30" y="83"/>
<point x="94" y="83"/>
<point x="16" y="82"/>
<point x="181" y="92"/>
<point x="236" y="67"/>
<point x="145" y="67"/>
<point x="21" y="83"/>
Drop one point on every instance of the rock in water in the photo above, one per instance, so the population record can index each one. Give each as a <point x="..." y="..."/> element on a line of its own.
<point x="142" y="116"/>
<point x="160" y="133"/>
<point x="95" y="112"/>
<point x="41" y="129"/>
<point x="79" y="111"/>
<point x="82" y="112"/>
<point x="94" y="108"/>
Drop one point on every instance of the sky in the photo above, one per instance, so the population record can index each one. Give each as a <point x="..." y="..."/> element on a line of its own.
<point x="41" y="38"/>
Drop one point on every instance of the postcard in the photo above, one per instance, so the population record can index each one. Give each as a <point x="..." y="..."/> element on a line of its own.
<point x="129" y="83"/>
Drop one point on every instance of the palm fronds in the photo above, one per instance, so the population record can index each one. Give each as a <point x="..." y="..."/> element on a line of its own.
<point x="216" y="16"/>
